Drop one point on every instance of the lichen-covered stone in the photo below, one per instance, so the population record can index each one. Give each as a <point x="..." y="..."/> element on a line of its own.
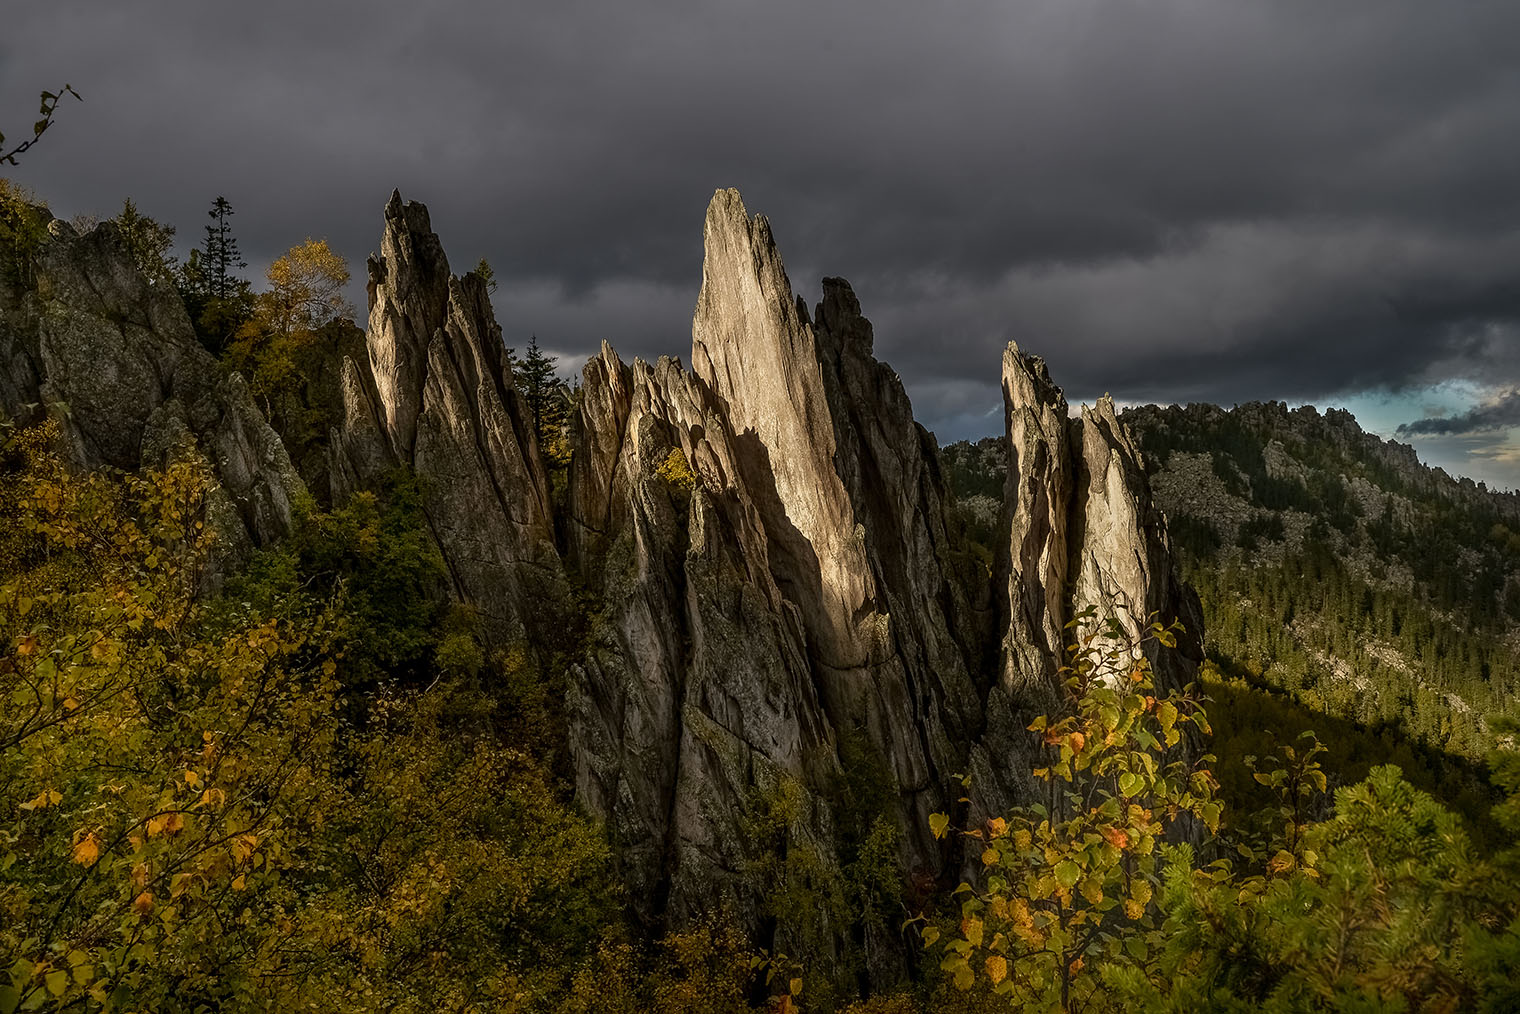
<point x="84" y="333"/>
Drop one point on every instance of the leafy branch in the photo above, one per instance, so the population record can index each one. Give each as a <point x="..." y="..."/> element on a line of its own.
<point x="47" y="110"/>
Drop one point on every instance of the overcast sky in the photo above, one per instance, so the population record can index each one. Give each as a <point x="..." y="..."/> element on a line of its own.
<point x="1171" y="200"/>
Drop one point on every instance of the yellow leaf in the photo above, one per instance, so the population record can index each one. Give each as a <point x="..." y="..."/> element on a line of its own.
<point x="938" y="823"/>
<point x="239" y="883"/>
<point x="795" y="987"/>
<point x="997" y="968"/>
<point x="192" y="778"/>
<point x="990" y="857"/>
<point x="1282" y="862"/>
<point x="87" y="849"/>
<point x="972" y="929"/>
<point x="998" y="827"/>
<point x="70" y="704"/>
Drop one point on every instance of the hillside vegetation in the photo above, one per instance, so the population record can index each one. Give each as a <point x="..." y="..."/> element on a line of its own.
<point x="262" y="748"/>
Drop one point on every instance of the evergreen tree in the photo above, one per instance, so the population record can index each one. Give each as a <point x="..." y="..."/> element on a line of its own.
<point x="487" y="274"/>
<point x="548" y="400"/>
<point x="218" y="299"/>
<point x="222" y="258"/>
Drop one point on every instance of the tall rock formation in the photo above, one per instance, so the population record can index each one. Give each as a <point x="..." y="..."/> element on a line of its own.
<point x="780" y="588"/>
<point x="82" y="328"/>
<point x="1123" y="565"/>
<point x="781" y="594"/>
<point x="436" y="396"/>
<point x="694" y="703"/>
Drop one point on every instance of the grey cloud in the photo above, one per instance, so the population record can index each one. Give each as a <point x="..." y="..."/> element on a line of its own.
<point x="1170" y="199"/>
<point x="1500" y="413"/>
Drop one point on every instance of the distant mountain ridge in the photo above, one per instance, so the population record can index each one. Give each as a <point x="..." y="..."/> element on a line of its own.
<point x="1333" y="565"/>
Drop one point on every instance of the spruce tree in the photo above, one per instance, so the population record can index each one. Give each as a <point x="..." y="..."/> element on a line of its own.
<point x="222" y="258"/>
<point x="547" y="397"/>
<point x="218" y="299"/>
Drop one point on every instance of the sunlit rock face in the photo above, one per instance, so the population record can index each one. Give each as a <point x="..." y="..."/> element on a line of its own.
<point x="843" y="610"/>
<point x="771" y="584"/>
<point x="436" y="396"/>
<point x="772" y="587"/>
<point x="112" y="357"/>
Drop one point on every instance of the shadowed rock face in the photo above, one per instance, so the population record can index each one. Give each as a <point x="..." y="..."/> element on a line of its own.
<point x="81" y="326"/>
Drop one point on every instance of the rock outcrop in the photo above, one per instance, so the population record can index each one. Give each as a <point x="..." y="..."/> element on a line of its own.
<point x="436" y="396"/>
<point x="781" y="594"/>
<point x="85" y="336"/>
<point x="793" y="449"/>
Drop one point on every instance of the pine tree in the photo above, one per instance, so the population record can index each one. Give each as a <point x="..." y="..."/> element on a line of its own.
<point x="218" y="299"/>
<point x="222" y="258"/>
<point x="543" y="391"/>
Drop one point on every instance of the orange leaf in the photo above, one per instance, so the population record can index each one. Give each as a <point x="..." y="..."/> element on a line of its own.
<point x="87" y="849"/>
<point x="1117" y="837"/>
<point x="997" y="968"/>
<point x="144" y="903"/>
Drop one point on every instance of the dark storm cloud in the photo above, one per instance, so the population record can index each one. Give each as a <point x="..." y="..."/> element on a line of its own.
<point x="1501" y="413"/>
<point x="1170" y="199"/>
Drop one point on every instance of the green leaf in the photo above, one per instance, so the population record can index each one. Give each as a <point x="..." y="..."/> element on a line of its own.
<point x="1130" y="784"/>
<point x="57" y="981"/>
<point x="1067" y="873"/>
<point x="10" y="998"/>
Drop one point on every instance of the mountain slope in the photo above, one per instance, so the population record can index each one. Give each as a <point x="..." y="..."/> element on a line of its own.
<point x="1336" y="567"/>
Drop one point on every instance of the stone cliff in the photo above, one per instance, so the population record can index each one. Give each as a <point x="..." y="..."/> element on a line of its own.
<point x="780" y="592"/>
<point x="85" y="338"/>
<point x="436" y="396"/>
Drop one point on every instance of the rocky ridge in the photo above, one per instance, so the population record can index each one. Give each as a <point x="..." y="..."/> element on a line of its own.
<point x="436" y="396"/>
<point x="87" y="340"/>
<point x="780" y="586"/>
